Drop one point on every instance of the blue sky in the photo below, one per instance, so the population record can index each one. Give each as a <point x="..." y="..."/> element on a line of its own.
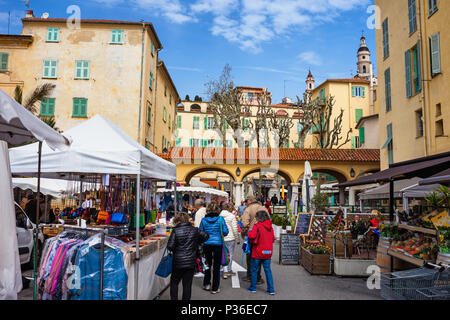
<point x="268" y="43"/>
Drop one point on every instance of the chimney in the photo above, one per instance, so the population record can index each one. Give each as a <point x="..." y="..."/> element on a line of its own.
<point x="29" y="14"/>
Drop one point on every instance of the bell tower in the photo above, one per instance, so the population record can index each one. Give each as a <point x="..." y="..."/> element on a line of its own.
<point x="310" y="82"/>
<point x="364" y="63"/>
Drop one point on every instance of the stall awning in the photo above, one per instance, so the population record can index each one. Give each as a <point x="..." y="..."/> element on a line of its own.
<point x="440" y="178"/>
<point x="418" y="191"/>
<point x="382" y="192"/>
<point x="422" y="168"/>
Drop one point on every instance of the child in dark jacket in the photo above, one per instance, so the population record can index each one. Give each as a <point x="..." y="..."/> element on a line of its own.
<point x="262" y="238"/>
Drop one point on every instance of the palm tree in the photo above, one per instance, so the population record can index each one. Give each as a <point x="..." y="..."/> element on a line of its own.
<point x="38" y="95"/>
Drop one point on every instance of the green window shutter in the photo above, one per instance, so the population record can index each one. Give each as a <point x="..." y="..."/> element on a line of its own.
<point x="86" y="69"/>
<point x="52" y="34"/>
<point x="76" y="107"/>
<point x="353" y="142"/>
<point x="149" y="115"/>
<point x="412" y="16"/>
<point x="358" y="114"/>
<point x="4" y="57"/>
<point x="51" y="107"/>
<point x="78" y="71"/>
<point x="408" y="74"/>
<point x="53" y="68"/>
<point x="435" y="48"/>
<point x="190" y="142"/>
<point x="362" y="137"/>
<point x="83" y="107"/>
<point x="418" y="68"/>
<point x="387" y="83"/>
<point x="179" y="122"/>
<point x="386" y="38"/>
<point x="43" y="107"/>
<point x="153" y="48"/>
<point x="117" y="36"/>
<point x="170" y="120"/>
<point x="205" y="122"/>
<point x="363" y="92"/>
<point x="46" y="72"/>
<point x="353" y="92"/>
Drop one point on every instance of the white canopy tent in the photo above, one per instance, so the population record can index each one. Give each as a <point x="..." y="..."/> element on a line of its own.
<point x="196" y="191"/>
<point x="99" y="147"/>
<point x="17" y="126"/>
<point x="51" y="187"/>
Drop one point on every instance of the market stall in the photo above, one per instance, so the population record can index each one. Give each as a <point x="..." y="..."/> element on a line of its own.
<point x="208" y="193"/>
<point x="17" y="126"/>
<point x="102" y="152"/>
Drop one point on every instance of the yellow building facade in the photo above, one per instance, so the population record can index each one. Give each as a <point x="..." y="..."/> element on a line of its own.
<point x="413" y="54"/>
<point x="101" y="67"/>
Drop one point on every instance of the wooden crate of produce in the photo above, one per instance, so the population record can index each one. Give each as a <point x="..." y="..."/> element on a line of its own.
<point x="316" y="264"/>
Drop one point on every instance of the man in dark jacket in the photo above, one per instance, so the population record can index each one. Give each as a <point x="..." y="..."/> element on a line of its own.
<point x="183" y="243"/>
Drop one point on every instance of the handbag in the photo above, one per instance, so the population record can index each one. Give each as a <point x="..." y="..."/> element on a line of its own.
<point x="165" y="265"/>
<point x="225" y="252"/>
<point x="119" y="218"/>
<point x="102" y="217"/>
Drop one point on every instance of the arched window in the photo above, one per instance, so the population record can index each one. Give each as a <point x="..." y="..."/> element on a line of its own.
<point x="364" y="69"/>
<point x="196" y="107"/>
<point x="310" y="86"/>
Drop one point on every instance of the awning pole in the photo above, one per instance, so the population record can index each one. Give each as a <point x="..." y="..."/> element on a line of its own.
<point x="391" y="200"/>
<point x="175" y="198"/>
<point x="137" y="258"/>
<point x="36" y="230"/>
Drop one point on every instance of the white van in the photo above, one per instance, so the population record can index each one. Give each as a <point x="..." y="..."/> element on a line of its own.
<point x="24" y="230"/>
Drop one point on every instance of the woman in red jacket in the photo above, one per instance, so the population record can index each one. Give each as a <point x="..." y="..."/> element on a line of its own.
<point x="262" y="238"/>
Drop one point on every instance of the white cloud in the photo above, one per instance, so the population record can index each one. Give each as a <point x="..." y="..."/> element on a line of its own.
<point x="311" y="58"/>
<point x="184" y="69"/>
<point x="248" y="23"/>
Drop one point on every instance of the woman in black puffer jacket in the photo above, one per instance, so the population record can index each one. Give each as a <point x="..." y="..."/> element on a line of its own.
<point x="184" y="243"/>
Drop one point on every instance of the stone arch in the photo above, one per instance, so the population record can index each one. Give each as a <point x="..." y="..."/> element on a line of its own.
<point x="283" y="174"/>
<point x="340" y="176"/>
<point x="196" y="107"/>
<point x="199" y="170"/>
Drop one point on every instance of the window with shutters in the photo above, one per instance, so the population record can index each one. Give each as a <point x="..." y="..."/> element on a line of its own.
<point x="82" y="69"/>
<point x="432" y="7"/>
<point x="170" y="118"/>
<point x="210" y="123"/>
<point x="435" y="54"/>
<point x="195" y="142"/>
<point x="413" y="77"/>
<point x="79" y="108"/>
<point x="47" y="107"/>
<point x="52" y="34"/>
<point x="50" y="69"/>
<point x="387" y="85"/>
<point x="164" y="114"/>
<point x="358" y="114"/>
<point x="151" y="81"/>
<point x="178" y="122"/>
<point x="358" y="91"/>
<point x="362" y="136"/>
<point x="165" y="90"/>
<point x="153" y="49"/>
<point x="4" y="60"/>
<point x="196" y="124"/>
<point x="170" y="99"/>
<point x="149" y="115"/>
<point x="116" y="36"/>
<point x="390" y="145"/>
<point x="386" y="38"/>
<point x="178" y="142"/>
<point x="412" y="16"/>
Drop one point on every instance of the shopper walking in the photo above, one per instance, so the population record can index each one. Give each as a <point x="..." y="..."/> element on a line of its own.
<point x="215" y="226"/>
<point x="232" y="238"/>
<point x="248" y="221"/>
<point x="183" y="243"/>
<point x="200" y="212"/>
<point x="262" y="238"/>
<point x="241" y="208"/>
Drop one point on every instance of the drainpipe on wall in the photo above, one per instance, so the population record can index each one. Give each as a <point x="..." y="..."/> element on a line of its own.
<point x="156" y="96"/>
<point x="425" y="83"/>
<point x="140" y="84"/>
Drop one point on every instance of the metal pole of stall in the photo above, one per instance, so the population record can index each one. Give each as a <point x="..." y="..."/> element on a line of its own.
<point x="80" y="203"/>
<point x="391" y="211"/>
<point x="137" y="258"/>
<point x="307" y="195"/>
<point x="175" y="204"/>
<point x="102" y="264"/>
<point x="36" y="230"/>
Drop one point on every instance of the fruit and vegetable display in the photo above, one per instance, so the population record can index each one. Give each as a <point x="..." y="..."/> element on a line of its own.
<point x="444" y="239"/>
<point x="420" y="247"/>
<point x="416" y="219"/>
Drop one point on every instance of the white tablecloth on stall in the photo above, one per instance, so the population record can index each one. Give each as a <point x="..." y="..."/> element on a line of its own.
<point x="150" y="285"/>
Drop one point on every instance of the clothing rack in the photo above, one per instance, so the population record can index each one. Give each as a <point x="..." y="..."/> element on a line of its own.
<point x="102" y="246"/>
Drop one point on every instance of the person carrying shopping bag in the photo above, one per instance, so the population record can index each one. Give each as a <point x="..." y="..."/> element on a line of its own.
<point x="262" y="238"/>
<point x="232" y="238"/>
<point x="216" y="227"/>
<point x="183" y="243"/>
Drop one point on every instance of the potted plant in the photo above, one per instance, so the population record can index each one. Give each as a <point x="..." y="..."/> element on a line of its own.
<point x="320" y="202"/>
<point x="316" y="259"/>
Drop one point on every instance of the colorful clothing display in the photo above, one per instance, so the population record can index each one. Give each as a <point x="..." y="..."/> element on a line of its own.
<point x="70" y="268"/>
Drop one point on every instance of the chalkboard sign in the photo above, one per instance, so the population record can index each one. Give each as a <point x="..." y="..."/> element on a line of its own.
<point x="289" y="248"/>
<point x="303" y="224"/>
